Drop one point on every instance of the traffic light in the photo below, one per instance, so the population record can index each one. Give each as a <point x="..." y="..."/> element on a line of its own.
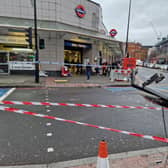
<point x="29" y="37"/>
<point x="41" y="43"/>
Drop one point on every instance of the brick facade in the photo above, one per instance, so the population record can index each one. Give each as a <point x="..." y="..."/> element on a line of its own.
<point x="136" y="50"/>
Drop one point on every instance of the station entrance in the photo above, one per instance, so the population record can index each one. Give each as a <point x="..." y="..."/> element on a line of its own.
<point x="73" y="54"/>
<point x="73" y="57"/>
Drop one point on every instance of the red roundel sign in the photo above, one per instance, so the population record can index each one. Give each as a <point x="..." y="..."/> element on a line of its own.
<point x="113" y="32"/>
<point x="80" y="11"/>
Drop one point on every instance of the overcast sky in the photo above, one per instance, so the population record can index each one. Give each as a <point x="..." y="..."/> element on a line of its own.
<point x="148" y="21"/>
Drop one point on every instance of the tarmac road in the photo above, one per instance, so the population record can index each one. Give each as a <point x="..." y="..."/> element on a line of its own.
<point x="30" y="140"/>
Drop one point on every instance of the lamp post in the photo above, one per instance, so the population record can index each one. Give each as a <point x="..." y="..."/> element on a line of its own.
<point x="128" y="23"/>
<point x="36" y="44"/>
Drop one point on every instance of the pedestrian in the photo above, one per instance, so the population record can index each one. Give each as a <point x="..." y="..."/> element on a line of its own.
<point x="104" y="68"/>
<point x="108" y="69"/>
<point x="88" y="70"/>
<point x="119" y="65"/>
<point x="97" y="70"/>
<point x="78" y="67"/>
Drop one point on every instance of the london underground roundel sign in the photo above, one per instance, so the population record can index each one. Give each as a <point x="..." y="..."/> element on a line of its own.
<point x="80" y="11"/>
<point x="113" y="32"/>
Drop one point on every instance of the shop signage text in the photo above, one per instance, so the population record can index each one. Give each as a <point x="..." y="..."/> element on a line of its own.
<point x="71" y="44"/>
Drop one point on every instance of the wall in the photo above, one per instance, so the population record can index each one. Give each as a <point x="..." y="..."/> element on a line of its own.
<point x="57" y="11"/>
<point x="54" y="50"/>
<point x="137" y="51"/>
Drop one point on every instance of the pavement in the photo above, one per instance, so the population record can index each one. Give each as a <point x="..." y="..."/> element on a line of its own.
<point x="149" y="158"/>
<point x="74" y="81"/>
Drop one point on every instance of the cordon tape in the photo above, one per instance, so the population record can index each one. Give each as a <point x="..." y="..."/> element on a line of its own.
<point x="52" y="63"/>
<point x="123" y="71"/>
<point x="77" y="105"/>
<point x="155" y="138"/>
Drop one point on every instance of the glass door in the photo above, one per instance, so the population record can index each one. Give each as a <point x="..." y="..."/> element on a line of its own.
<point x="4" y="62"/>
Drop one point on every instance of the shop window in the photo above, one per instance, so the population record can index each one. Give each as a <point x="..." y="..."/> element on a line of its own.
<point x="27" y="57"/>
<point x="3" y="58"/>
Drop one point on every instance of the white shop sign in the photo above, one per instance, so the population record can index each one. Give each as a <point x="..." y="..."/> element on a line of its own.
<point x="21" y="65"/>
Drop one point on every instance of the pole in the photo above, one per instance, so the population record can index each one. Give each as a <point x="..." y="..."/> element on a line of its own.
<point x="36" y="45"/>
<point x="126" y="47"/>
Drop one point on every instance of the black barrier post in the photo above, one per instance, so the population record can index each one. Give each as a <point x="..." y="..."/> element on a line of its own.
<point x="36" y="45"/>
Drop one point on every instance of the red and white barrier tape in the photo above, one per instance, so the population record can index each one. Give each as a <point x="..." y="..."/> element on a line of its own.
<point x="155" y="138"/>
<point x="123" y="71"/>
<point x="77" y="105"/>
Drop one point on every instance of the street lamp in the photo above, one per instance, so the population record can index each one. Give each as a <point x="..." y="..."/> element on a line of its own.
<point x="36" y="43"/>
<point x="128" y="23"/>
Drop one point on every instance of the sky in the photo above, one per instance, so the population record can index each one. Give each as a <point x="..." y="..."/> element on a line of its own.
<point x="148" y="19"/>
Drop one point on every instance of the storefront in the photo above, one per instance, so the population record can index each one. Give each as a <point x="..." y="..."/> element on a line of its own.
<point x="17" y="61"/>
<point x="21" y="61"/>
<point x="15" y="55"/>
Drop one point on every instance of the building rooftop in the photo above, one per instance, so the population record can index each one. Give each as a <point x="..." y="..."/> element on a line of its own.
<point x="94" y="2"/>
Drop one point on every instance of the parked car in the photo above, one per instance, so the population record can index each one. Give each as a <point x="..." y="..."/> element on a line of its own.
<point x="150" y="65"/>
<point x="164" y="67"/>
<point x="157" y="66"/>
<point x="145" y="64"/>
<point x="139" y="63"/>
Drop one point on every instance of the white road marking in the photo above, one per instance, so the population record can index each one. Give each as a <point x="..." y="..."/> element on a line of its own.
<point x="50" y="149"/>
<point x="7" y="94"/>
<point x="48" y="124"/>
<point x="49" y="134"/>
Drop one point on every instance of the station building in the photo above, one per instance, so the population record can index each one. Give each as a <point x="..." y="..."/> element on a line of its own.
<point x="73" y="32"/>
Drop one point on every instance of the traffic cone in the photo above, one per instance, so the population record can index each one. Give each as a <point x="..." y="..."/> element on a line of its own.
<point x="102" y="161"/>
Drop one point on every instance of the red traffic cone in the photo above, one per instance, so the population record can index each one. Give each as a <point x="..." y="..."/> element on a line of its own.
<point x="103" y="161"/>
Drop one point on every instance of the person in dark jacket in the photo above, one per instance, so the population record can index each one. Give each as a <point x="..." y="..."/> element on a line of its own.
<point x="88" y="70"/>
<point x="97" y="70"/>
